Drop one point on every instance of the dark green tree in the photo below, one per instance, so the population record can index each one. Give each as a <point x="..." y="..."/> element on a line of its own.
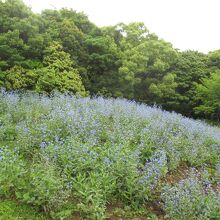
<point x="102" y="65"/>
<point x="21" y="36"/>
<point x="190" y="68"/>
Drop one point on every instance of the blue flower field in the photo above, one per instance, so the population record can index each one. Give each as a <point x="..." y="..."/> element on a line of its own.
<point x="67" y="157"/>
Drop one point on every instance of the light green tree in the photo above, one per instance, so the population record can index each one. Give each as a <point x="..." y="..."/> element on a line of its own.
<point x="58" y="72"/>
<point x="164" y="92"/>
<point x="208" y="93"/>
<point x="17" y="78"/>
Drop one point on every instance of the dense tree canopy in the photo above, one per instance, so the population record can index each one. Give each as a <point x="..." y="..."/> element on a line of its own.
<point x="62" y="50"/>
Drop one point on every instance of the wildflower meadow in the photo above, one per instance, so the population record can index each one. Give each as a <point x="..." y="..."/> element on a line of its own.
<point x="66" y="157"/>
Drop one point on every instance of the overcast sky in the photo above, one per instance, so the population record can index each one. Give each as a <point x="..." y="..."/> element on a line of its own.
<point x="187" y="24"/>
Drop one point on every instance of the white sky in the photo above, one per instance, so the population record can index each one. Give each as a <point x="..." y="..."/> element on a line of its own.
<point x="187" y="24"/>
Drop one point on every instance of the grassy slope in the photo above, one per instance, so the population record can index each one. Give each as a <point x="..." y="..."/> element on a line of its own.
<point x="104" y="158"/>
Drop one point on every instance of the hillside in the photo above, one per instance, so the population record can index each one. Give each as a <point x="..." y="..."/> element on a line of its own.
<point x="62" y="50"/>
<point x="93" y="158"/>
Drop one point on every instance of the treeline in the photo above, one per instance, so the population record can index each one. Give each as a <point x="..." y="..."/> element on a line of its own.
<point x="62" y="50"/>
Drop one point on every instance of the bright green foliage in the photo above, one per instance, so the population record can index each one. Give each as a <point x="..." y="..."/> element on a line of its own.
<point x="58" y="73"/>
<point x="134" y="33"/>
<point x="208" y="93"/>
<point x="11" y="210"/>
<point x="18" y="78"/>
<point x="165" y="91"/>
<point x="56" y="58"/>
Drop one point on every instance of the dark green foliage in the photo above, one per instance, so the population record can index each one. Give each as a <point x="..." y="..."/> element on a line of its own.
<point x="102" y="64"/>
<point x="190" y="68"/>
<point x="21" y="35"/>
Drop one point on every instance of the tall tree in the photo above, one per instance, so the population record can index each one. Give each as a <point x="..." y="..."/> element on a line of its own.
<point x="102" y="64"/>
<point x="21" y="35"/>
<point x="160" y="59"/>
<point x="190" y="68"/>
<point x="133" y="46"/>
